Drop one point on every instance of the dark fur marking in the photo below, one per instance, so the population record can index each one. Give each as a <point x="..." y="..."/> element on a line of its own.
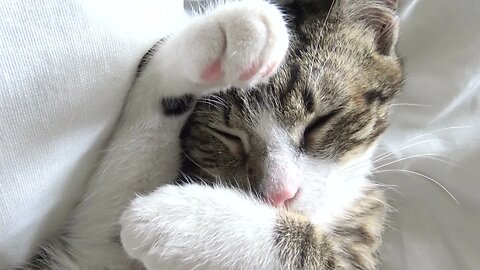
<point x="354" y="259"/>
<point x="177" y="106"/>
<point x="330" y="263"/>
<point x="308" y="100"/>
<point x="226" y="115"/>
<point x="239" y="103"/>
<point x="115" y="238"/>
<point x="308" y="236"/>
<point x="320" y="121"/>
<point x="43" y="260"/>
<point x="297" y="52"/>
<point x="300" y="245"/>
<point x="146" y="58"/>
<point x="374" y="95"/>
<point x="377" y="207"/>
<point x="356" y="234"/>
<point x="257" y="99"/>
<point x="205" y="151"/>
<point x="294" y="73"/>
<point x="205" y="162"/>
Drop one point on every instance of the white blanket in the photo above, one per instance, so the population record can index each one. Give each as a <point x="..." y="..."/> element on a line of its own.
<point x="66" y="65"/>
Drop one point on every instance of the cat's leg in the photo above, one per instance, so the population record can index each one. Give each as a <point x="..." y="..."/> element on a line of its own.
<point x="201" y="227"/>
<point x="239" y="43"/>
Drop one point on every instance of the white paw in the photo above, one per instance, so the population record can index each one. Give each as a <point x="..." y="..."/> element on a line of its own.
<point x="239" y="44"/>
<point x="178" y="226"/>
<point x="150" y="222"/>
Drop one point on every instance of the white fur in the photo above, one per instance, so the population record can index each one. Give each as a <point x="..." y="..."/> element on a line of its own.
<point x="144" y="151"/>
<point x="282" y="164"/>
<point x="326" y="189"/>
<point x="200" y="227"/>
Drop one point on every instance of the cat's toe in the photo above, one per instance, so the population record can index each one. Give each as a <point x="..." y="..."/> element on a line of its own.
<point x="257" y="41"/>
<point x="243" y="43"/>
<point x="238" y="44"/>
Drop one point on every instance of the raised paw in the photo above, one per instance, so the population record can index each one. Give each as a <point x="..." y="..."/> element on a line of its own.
<point x="238" y="44"/>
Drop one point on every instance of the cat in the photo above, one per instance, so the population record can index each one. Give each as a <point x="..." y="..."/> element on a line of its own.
<point x="274" y="173"/>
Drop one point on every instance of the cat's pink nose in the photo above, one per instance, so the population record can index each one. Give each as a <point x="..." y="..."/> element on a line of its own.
<point x="279" y="197"/>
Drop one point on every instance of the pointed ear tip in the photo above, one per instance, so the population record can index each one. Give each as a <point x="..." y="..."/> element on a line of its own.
<point x="387" y="37"/>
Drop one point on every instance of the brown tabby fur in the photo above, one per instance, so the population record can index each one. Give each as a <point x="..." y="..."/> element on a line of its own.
<point x="337" y="83"/>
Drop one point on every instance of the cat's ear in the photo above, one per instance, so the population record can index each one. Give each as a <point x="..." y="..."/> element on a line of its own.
<point x="380" y="15"/>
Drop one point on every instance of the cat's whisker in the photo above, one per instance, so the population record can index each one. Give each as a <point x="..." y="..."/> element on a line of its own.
<point x="436" y="131"/>
<point x="406" y="145"/>
<point x="432" y="157"/>
<point x="388" y="155"/>
<point x="430" y="154"/>
<point x="387" y="205"/>
<point x="393" y="188"/>
<point x="185" y="177"/>
<point x="410" y="104"/>
<point x="385" y="185"/>
<point x="209" y="102"/>
<point x="421" y="175"/>
<point x="220" y="99"/>
<point x="380" y="157"/>
<point x="427" y="156"/>
<point x="397" y="151"/>
<point x="216" y="101"/>
<point x="250" y="190"/>
<point x="198" y="165"/>
<point x="324" y="25"/>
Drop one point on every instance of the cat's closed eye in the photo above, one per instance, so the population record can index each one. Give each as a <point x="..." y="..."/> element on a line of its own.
<point x="232" y="139"/>
<point x="311" y="131"/>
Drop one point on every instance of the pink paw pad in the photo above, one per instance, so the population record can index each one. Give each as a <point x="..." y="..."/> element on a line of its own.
<point x="213" y="73"/>
<point x="270" y="69"/>
<point x="251" y="71"/>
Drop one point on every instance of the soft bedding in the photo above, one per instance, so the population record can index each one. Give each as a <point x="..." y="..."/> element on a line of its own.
<point x="436" y="131"/>
<point x="66" y="65"/>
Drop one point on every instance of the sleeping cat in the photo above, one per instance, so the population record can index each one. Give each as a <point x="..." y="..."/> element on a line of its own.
<point x="274" y="172"/>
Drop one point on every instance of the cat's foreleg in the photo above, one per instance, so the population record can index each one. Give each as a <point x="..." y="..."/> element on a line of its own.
<point x="201" y="227"/>
<point x="236" y="44"/>
<point x="240" y="44"/>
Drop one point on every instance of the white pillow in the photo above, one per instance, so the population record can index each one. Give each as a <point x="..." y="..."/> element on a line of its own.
<point x="65" y="68"/>
<point x="438" y="114"/>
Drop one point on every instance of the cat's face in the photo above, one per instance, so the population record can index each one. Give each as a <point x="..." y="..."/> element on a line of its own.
<point x="308" y="134"/>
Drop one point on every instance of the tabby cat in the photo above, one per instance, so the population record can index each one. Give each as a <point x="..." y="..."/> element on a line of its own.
<point x="274" y="173"/>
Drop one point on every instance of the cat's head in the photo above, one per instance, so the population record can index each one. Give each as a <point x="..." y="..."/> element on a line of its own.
<point x="309" y="133"/>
